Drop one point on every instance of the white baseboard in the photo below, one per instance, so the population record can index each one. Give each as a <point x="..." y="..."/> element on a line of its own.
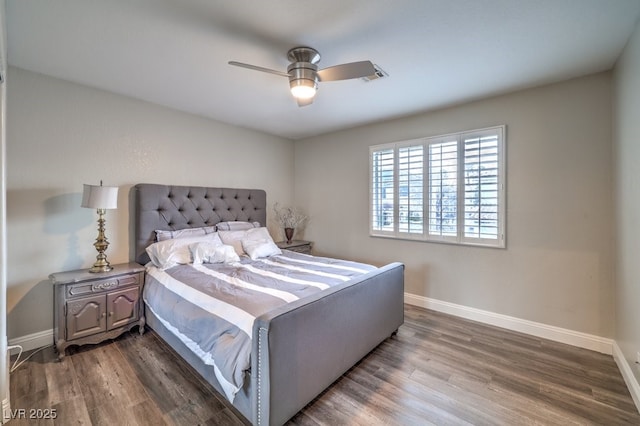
<point x="627" y="374"/>
<point x="6" y="411"/>
<point x="32" y="341"/>
<point x="557" y="334"/>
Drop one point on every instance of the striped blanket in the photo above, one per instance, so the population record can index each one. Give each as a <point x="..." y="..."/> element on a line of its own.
<point x="211" y="307"/>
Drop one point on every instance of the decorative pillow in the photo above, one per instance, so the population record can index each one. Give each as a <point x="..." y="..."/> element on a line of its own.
<point x="234" y="239"/>
<point x="212" y="253"/>
<point x="162" y="235"/>
<point x="258" y="243"/>
<point x="236" y="225"/>
<point x="168" y="253"/>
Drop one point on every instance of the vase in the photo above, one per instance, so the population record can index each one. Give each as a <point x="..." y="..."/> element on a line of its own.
<point x="288" y="232"/>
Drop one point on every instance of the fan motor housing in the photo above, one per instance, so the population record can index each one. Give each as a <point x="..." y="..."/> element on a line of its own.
<point x="304" y="54"/>
<point x="303" y="74"/>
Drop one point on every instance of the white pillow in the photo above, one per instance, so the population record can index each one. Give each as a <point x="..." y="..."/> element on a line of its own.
<point x="236" y="225"/>
<point x="168" y="253"/>
<point x="205" y="252"/>
<point x="162" y="235"/>
<point x="234" y="239"/>
<point x="258" y="243"/>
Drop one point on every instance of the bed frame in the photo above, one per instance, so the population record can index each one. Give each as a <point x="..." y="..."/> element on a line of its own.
<point x="299" y="349"/>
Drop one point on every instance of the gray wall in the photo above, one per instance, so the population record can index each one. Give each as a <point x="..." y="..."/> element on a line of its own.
<point x="557" y="268"/>
<point x="558" y="265"/>
<point x="627" y="200"/>
<point x="61" y="135"/>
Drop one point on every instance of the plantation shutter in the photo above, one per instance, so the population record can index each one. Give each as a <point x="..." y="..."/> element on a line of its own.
<point x="481" y="186"/>
<point x="382" y="189"/>
<point x="443" y="188"/>
<point x="410" y="189"/>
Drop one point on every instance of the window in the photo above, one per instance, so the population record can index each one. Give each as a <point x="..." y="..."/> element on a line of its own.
<point x="445" y="188"/>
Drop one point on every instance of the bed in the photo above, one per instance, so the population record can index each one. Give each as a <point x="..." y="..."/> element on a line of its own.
<point x="297" y="349"/>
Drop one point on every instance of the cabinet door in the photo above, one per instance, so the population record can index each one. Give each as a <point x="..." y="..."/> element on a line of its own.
<point x="86" y="316"/>
<point x="122" y="307"/>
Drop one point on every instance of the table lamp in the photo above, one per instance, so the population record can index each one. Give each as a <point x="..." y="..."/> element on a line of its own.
<point x="100" y="198"/>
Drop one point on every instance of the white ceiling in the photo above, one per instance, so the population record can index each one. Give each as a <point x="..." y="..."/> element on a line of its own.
<point x="437" y="52"/>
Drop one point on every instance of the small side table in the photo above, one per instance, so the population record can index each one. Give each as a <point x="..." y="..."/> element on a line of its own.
<point x="299" y="246"/>
<point x="92" y="307"/>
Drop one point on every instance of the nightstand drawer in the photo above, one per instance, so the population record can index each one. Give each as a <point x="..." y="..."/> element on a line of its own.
<point x="99" y="286"/>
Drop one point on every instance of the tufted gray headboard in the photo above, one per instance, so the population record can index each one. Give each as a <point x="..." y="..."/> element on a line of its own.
<point x="170" y="207"/>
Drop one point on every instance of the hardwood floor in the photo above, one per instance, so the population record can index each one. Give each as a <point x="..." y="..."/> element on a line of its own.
<point x="438" y="369"/>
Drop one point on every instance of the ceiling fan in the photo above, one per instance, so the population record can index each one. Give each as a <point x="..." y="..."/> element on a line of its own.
<point x="304" y="75"/>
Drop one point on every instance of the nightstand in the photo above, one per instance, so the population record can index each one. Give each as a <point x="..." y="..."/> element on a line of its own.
<point x="92" y="307"/>
<point x="299" y="246"/>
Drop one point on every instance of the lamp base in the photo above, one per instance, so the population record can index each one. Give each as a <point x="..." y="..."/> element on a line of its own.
<point x="101" y="244"/>
<point x="101" y="268"/>
<point x="101" y="265"/>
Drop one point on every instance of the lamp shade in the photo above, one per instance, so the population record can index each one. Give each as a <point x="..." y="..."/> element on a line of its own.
<point x="100" y="197"/>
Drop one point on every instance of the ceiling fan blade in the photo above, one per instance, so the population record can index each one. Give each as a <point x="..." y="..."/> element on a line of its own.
<point x="304" y="102"/>
<point x="347" y="71"/>
<point x="257" y="68"/>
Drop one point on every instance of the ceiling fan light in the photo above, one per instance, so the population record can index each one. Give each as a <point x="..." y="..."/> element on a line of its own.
<point x="303" y="80"/>
<point x="303" y="89"/>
